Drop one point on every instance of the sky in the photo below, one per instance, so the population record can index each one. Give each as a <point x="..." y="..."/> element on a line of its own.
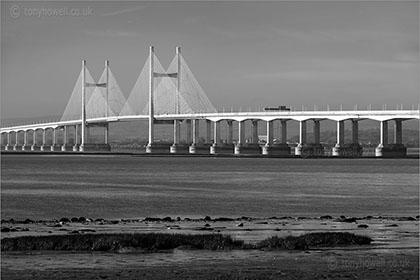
<point x="243" y="54"/>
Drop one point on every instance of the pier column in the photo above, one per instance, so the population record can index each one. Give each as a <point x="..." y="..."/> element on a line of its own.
<point x="63" y="147"/>
<point x="383" y="134"/>
<point x="356" y="149"/>
<point x="106" y="133"/>
<point x="174" y="147"/>
<point x="76" y="139"/>
<point x="229" y="139"/>
<point x="196" y="135"/>
<point x="315" y="149"/>
<point x="337" y="149"/>
<point x="188" y="125"/>
<point x="270" y="137"/>
<point x="8" y="146"/>
<point x="241" y="138"/>
<point x="208" y="131"/>
<point x="317" y="132"/>
<point x="54" y="140"/>
<point x="16" y="146"/>
<point x="9" y="143"/>
<point x="398" y="132"/>
<point x="355" y="131"/>
<point x="283" y="128"/>
<point x="44" y="140"/>
<point x="33" y="147"/>
<point x="396" y="149"/>
<point x="87" y="137"/>
<point x="302" y="138"/>
<point x="25" y="146"/>
<point x="216" y="138"/>
<point x="254" y="126"/>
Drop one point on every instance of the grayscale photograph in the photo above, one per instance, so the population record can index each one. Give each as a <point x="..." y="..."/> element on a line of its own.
<point x="221" y="140"/>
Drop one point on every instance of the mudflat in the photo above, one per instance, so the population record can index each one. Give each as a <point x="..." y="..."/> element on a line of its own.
<point x="393" y="254"/>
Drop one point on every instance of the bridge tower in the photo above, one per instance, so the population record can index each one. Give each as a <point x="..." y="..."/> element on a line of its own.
<point x="151" y="146"/>
<point x="85" y="145"/>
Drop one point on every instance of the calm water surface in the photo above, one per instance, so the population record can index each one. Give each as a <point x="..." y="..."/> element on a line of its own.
<point x="55" y="186"/>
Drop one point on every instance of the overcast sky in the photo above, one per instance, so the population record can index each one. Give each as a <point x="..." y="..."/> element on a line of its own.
<point x="246" y="54"/>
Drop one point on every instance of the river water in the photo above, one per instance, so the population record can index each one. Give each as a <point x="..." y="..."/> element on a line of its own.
<point x="130" y="186"/>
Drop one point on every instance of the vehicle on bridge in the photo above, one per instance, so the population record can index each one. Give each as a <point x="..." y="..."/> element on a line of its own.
<point x="279" y="108"/>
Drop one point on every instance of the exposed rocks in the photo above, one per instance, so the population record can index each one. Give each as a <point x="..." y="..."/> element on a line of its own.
<point x="346" y="220"/>
<point x="64" y="220"/>
<point x="326" y="217"/>
<point x="12" y="229"/>
<point x="28" y="221"/>
<point x="392" y="225"/>
<point x="8" y="229"/>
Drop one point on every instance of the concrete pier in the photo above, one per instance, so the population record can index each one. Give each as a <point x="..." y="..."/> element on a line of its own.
<point x="176" y="146"/>
<point x="338" y="149"/>
<point x="241" y="138"/>
<point x="229" y="128"/>
<point x="268" y="147"/>
<point x="44" y="146"/>
<point x="76" y="139"/>
<point x="314" y="149"/>
<point x="195" y="136"/>
<point x="216" y="138"/>
<point x="396" y="149"/>
<point x="188" y="132"/>
<point x="8" y="146"/>
<point x="34" y="146"/>
<point x="54" y="147"/>
<point x="17" y="146"/>
<point x="25" y="146"/>
<point x="66" y="147"/>
<point x="343" y="149"/>
<point x="302" y="138"/>
<point x="356" y="148"/>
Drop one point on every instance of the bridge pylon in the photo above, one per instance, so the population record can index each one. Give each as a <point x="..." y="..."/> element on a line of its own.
<point x="152" y="146"/>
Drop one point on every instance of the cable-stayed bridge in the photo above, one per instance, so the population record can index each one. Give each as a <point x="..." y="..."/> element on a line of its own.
<point x="175" y="96"/>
